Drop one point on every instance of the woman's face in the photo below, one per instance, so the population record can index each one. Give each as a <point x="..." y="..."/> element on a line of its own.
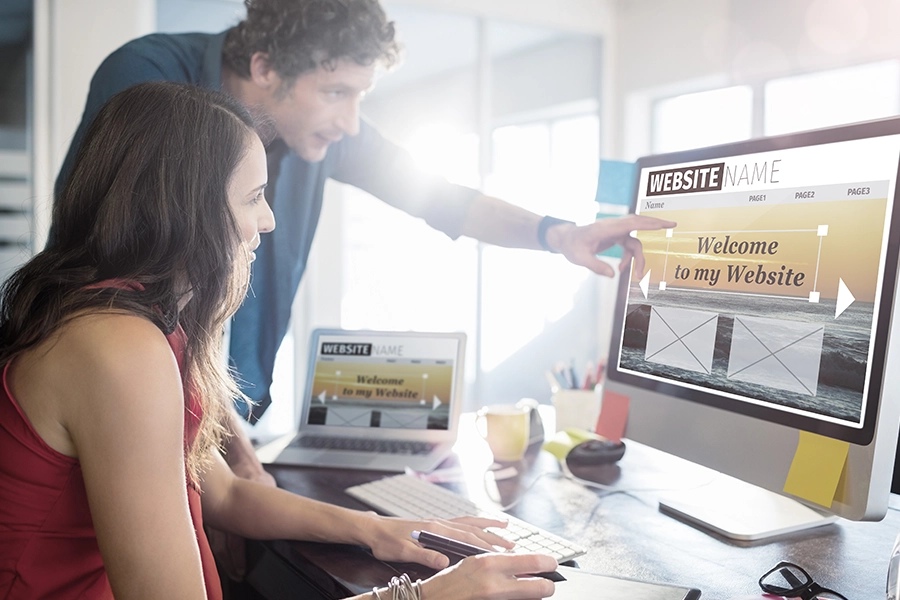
<point x="245" y="195"/>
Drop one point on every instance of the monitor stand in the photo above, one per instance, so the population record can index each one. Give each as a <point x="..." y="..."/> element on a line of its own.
<point x="741" y="511"/>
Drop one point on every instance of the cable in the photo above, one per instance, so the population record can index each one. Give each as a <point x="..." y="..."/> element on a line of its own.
<point x="504" y="508"/>
<point x="566" y="473"/>
<point x="628" y="491"/>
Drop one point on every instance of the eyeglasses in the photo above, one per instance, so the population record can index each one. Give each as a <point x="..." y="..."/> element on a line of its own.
<point x="789" y="580"/>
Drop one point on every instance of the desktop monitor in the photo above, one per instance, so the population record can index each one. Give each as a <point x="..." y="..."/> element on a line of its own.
<point x="768" y="310"/>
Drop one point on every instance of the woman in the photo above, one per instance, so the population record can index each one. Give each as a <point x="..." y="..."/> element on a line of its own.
<point x="114" y="389"/>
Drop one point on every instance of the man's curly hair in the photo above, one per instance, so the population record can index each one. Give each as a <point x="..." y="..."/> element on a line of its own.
<point x="302" y="35"/>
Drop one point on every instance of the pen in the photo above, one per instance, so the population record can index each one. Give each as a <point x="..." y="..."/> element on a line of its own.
<point x="588" y="377"/>
<point x="553" y="381"/>
<point x="562" y="379"/>
<point x="572" y="375"/>
<point x="601" y="367"/>
<point x="442" y="544"/>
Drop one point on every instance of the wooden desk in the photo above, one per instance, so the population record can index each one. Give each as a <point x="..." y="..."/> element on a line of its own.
<point x="626" y="534"/>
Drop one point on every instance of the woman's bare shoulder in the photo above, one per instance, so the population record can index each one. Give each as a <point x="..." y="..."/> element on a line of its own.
<point x="115" y="364"/>
<point x="108" y="341"/>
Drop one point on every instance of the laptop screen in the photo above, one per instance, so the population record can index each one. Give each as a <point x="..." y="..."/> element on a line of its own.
<point x="383" y="380"/>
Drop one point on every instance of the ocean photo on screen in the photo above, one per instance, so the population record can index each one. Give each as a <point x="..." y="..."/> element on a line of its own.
<point x="782" y="351"/>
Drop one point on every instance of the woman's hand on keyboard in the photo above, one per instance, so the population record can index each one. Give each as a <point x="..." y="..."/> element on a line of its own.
<point x="390" y="538"/>
<point x="492" y="577"/>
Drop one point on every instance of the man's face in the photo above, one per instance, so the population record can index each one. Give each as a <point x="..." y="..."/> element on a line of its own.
<point x="320" y="107"/>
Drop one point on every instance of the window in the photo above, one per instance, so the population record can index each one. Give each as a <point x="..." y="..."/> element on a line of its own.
<point x="532" y="90"/>
<point x="702" y="119"/>
<point x="548" y="168"/>
<point x="796" y="103"/>
<point x="395" y="264"/>
<point x="828" y="98"/>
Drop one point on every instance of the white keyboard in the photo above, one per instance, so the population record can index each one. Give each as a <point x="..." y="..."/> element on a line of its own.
<point x="412" y="498"/>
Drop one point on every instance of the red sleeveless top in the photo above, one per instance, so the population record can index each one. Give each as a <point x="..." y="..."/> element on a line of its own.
<point x="48" y="548"/>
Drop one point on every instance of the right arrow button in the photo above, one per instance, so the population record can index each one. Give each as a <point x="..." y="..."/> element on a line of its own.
<point x="844" y="298"/>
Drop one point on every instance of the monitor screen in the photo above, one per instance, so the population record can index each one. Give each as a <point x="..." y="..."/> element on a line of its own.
<point x="378" y="380"/>
<point x="766" y="297"/>
<point x="767" y="309"/>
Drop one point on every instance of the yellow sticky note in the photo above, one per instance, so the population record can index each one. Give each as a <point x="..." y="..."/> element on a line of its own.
<point x="559" y="445"/>
<point x="563" y="441"/>
<point x="581" y="435"/>
<point x="816" y="468"/>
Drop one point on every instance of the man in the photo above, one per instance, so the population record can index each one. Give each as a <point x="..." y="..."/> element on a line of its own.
<point x="302" y="67"/>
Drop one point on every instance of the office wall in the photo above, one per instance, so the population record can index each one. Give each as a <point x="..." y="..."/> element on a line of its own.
<point x="209" y="16"/>
<point x="664" y="47"/>
<point x="585" y="16"/>
<point x="558" y="72"/>
<point x="71" y="39"/>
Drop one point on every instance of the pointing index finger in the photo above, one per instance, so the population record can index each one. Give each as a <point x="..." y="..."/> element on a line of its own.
<point x="645" y="222"/>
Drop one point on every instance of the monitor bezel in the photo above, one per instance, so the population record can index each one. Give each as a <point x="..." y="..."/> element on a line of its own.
<point x="855" y="435"/>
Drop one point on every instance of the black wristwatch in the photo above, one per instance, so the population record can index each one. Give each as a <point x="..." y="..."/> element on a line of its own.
<point x="545" y="224"/>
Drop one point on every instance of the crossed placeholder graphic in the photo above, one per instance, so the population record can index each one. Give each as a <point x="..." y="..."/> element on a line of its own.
<point x="361" y="417"/>
<point x="349" y="415"/>
<point x="778" y="354"/>
<point x="681" y="338"/>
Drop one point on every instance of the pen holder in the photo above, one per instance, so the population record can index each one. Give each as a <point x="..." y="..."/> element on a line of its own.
<point x="576" y="408"/>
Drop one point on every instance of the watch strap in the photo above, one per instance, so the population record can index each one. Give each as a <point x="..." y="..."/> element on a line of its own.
<point x="545" y="224"/>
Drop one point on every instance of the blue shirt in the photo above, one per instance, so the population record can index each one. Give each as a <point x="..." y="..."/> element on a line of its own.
<point x="367" y="161"/>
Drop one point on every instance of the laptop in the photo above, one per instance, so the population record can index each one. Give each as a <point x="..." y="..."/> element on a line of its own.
<point x="383" y="401"/>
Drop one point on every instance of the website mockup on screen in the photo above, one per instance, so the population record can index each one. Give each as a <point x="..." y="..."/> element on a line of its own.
<point x="390" y="382"/>
<point x="768" y="290"/>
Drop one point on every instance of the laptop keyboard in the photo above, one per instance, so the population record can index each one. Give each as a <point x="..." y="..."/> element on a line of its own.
<point x="363" y="445"/>
<point x="412" y="498"/>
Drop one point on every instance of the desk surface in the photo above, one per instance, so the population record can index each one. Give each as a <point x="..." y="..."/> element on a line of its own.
<point x="625" y="534"/>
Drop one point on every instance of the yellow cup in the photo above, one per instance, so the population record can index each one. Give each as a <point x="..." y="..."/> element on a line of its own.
<point x="506" y="429"/>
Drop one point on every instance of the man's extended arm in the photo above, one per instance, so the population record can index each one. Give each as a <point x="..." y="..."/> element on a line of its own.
<point x="494" y="221"/>
<point x="373" y="163"/>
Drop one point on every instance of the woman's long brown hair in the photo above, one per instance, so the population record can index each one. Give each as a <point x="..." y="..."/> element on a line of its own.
<point x="147" y="202"/>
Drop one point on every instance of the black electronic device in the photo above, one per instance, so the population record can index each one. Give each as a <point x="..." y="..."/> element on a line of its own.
<point x="595" y="452"/>
<point x="536" y="424"/>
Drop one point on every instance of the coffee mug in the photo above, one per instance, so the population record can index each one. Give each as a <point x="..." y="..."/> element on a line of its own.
<point x="506" y="429"/>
